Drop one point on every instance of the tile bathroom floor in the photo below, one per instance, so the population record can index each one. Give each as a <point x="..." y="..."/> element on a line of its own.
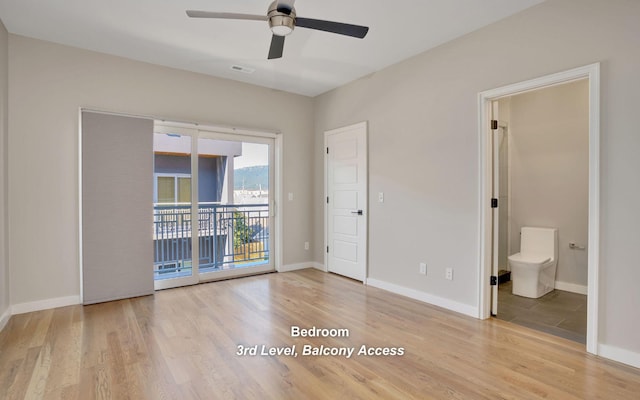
<point x="559" y="313"/>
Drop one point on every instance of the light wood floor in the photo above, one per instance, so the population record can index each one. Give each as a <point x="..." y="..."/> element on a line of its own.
<point x="181" y="344"/>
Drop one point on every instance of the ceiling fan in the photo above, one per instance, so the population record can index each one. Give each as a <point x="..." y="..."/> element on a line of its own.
<point x="282" y="18"/>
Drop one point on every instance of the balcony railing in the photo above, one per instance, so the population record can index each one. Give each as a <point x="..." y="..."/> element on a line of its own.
<point x="229" y="236"/>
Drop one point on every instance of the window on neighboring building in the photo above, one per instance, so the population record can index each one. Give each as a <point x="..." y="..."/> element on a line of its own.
<point x="172" y="188"/>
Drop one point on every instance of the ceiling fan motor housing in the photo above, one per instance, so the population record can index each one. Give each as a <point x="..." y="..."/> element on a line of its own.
<point x="281" y="23"/>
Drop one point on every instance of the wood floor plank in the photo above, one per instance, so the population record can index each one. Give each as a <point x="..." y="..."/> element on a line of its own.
<point x="38" y="380"/>
<point x="24" y="369"/>
<point x="65" y="337"/>
<point x="182" y="344"/>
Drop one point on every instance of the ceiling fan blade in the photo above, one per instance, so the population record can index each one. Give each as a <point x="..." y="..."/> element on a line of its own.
<point x="356" y="31"/>
<point x="209" y="14"/>
<point x="277" y="46"/>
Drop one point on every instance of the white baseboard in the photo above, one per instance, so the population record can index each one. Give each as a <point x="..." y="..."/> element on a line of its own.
<point x="620" y="355"/>
<point x="305" y="265"/>
<point x="425" y="297"/>
<point x="44" y="304"/>
<point x="571" y="287"/>
<point x="319" y="266"/>
<point x="295" y="267"/>
<point x="4" y="318"/>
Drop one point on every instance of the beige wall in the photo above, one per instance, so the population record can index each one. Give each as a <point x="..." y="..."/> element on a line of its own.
<point x="4" y="269"/>
<point x="49" y="82"/>
<point x="424" y="149"/>
<point x="549" y="153"/>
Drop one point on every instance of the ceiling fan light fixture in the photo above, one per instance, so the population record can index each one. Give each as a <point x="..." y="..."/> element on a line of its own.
<point x="281" y="30"/>
<point x="281" y="23"/>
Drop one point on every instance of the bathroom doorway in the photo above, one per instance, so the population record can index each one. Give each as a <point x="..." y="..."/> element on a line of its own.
<point x="540" y="164"/>
<point x="541" y="179"/>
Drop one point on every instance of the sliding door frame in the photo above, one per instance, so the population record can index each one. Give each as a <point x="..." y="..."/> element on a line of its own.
<point x="197" y="132"/>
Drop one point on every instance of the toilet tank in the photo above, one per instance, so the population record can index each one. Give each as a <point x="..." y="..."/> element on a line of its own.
<point x="541" y="241"/>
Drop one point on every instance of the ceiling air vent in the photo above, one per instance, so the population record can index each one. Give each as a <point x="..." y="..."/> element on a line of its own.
<point x="240" y="68"/>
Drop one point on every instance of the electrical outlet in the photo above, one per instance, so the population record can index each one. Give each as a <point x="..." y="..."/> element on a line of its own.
<point x="449" y="274"/>
<point x="306" y="245"/>
<point x="423" y="268"/>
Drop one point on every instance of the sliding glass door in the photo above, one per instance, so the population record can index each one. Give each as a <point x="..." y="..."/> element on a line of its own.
<point x="226" y="232"/>
<point x="172" y="206"/>
<point x="234" y="205"/>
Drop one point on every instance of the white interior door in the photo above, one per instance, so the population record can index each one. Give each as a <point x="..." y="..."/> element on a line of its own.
<point x="495" y="195"/>
<point x="346" y="206"/>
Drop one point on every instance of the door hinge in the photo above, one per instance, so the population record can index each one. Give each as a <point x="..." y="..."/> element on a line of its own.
<point x="327" y="199"/>
<point x="327" y="249"/>
<point x="493" y="281"/>
<point x="327" y="150"/>
<point x="494" y="124"/>
<point x="494" y="203"/>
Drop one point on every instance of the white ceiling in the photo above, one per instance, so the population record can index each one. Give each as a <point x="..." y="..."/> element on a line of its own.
<point x="159" y="32"/>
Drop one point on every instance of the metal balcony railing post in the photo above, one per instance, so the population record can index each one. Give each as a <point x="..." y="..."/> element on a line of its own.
<point x="215" y="236"/>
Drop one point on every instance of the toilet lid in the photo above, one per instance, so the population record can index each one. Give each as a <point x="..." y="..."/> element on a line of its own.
<point x="529" y="258"/>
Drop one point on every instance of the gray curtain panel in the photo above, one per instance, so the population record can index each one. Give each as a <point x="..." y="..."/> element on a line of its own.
<point x="117" y="207"/>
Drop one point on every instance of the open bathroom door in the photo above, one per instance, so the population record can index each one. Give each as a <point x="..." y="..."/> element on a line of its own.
<point x="495" y="195"/>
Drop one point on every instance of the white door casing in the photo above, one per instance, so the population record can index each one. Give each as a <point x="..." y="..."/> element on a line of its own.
<point x="346" y="179"/>
<point x="592" y="73"/>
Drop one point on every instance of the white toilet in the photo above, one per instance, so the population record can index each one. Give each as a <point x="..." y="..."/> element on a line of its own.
<point x="533" y="270"/>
